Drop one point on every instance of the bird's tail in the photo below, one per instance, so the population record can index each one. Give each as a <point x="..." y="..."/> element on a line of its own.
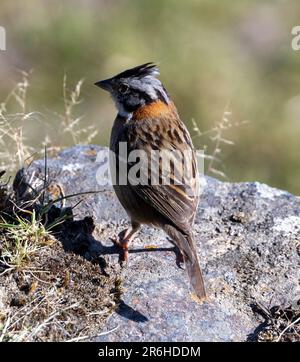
<point x="187" y="246"/>
<point x="194" y="270"/>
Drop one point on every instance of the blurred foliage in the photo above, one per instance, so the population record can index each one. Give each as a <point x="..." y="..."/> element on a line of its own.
<point x="210" y="53"/>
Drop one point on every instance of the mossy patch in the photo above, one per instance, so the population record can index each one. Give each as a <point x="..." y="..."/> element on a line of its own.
<point x="58" y="296"/>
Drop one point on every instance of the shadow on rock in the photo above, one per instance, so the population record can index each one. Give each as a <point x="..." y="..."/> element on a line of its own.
<point x="77" y="237"/>
<point x="127" y="312"/>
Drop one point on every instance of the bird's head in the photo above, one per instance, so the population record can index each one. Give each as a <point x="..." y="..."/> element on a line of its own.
<point x="134" y="88"/>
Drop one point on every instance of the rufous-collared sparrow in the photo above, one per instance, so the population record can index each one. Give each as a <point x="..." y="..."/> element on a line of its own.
<point x="148" y="121"/>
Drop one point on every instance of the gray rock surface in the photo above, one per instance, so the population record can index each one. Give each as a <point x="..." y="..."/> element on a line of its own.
<point x="248" y="237"/>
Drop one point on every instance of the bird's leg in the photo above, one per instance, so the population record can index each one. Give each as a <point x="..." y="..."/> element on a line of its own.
<point x="124" y="239"/>
<point x="179" y="255"/>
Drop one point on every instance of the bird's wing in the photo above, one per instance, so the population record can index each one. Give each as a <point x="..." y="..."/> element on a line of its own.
<point x="177" y="201"/>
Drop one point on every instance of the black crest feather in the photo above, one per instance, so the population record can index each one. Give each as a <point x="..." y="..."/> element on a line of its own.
<point x="140" y="71"/>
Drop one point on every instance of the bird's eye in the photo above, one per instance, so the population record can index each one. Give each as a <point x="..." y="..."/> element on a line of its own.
<point x="123" y="88"/>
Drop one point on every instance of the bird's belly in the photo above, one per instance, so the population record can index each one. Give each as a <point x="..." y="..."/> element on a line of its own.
<point x="136" y="208"/>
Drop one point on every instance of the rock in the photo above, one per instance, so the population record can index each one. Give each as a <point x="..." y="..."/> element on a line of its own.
<point x="248" y="237"/>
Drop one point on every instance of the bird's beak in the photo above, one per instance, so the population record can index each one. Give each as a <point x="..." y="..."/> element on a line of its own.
<point x="104" y="84"/>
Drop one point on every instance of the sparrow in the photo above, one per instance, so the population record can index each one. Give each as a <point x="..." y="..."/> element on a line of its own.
<point x="148" y="123"/>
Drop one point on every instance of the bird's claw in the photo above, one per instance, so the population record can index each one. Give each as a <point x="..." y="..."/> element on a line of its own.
<point x="180" y="265"/>
<point x="180" y="261"/>
<point x="123" y="246"/>
<point x="117" y="242"/>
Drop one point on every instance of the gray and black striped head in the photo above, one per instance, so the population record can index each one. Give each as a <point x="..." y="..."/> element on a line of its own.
<point x="135" y="88"/>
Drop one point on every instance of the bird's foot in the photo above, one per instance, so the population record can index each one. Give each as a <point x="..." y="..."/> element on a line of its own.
<point x="179" y="259"/>
<point x="121" y="244"/>
<point x="122" y="241"/>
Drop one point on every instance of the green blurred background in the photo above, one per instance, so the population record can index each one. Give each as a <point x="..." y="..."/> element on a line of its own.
<point x="211" y="53"/>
